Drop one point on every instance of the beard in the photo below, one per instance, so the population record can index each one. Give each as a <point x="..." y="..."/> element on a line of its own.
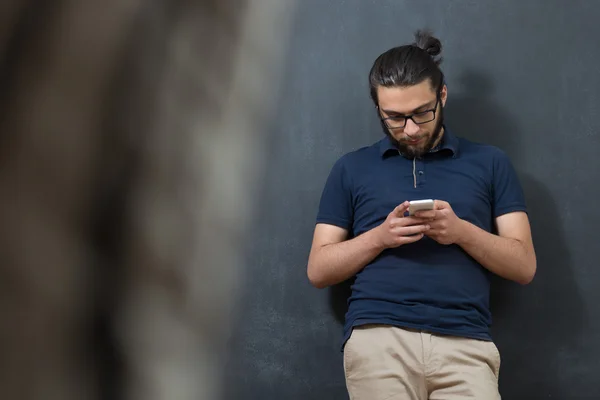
<point x="417" y="152"/>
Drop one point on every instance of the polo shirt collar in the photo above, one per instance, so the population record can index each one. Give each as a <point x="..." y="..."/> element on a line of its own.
<point x="449" y="142"/>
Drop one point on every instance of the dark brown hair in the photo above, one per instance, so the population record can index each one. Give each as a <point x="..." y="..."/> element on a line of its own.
<point x="408" y="65"/>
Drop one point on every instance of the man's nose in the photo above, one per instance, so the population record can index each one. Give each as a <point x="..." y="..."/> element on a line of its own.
<point x="411" y="128"/>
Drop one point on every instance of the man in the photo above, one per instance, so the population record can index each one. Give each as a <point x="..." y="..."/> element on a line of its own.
<point x="418" y="318"/>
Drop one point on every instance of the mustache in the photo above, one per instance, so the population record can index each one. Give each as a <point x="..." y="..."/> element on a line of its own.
<point x="412" y="139"/>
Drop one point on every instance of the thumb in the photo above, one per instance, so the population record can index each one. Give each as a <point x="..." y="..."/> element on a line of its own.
<point x="400" y="209"/>
<point x="440" y="205"/>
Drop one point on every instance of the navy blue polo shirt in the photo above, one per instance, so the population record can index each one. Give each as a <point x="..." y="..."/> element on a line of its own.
<point x="423" y="285"/>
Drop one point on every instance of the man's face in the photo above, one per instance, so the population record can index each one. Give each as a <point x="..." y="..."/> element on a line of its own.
<point x="413" y="140"/>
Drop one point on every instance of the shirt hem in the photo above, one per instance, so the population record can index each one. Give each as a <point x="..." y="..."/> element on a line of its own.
<point x="510" y="209"/>
<point x="440" y="331"/>
<point x="333" y="221"/>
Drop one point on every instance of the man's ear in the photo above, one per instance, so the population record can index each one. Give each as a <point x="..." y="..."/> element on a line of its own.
<point x="444" y="95"/>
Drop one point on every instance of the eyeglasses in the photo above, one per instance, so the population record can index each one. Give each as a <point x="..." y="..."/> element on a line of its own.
<point x="419" y="118"/>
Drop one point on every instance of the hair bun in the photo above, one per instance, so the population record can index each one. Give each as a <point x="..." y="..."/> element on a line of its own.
<point x="432" y="45"/>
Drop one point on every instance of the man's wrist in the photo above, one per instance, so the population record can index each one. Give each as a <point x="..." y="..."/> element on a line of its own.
<point x="465" y="233"/>
<point x="374" y="239"/>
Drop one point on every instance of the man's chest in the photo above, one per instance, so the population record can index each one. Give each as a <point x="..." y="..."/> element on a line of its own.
<point x="379" y="190"/>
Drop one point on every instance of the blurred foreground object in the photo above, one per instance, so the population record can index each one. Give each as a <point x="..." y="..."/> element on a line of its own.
<point x="132" y="139"/>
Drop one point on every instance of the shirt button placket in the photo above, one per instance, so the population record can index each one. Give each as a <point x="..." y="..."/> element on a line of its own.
<point x="421" y="172"/>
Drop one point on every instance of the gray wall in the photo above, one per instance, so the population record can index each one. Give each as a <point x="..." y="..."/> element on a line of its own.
<point x="118" y="239"/>
<point x="522" y="75"/>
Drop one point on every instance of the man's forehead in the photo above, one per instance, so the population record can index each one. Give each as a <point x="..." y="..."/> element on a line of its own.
<point x="405" y="99"/>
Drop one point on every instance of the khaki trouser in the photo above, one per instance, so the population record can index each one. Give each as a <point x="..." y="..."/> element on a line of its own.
<point x="389" y="363"/>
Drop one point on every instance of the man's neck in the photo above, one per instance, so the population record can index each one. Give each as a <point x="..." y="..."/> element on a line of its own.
<point x="439" y="139"/>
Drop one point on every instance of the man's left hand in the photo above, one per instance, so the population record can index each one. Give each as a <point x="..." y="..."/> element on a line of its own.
<point x="445" y="227"/>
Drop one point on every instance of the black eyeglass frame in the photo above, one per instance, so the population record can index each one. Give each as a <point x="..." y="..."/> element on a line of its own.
<point x="411" y="116"/>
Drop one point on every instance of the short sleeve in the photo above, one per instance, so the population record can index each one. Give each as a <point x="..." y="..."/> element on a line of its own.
<point x="335" y="207"/>
<point x="507" y="191"/>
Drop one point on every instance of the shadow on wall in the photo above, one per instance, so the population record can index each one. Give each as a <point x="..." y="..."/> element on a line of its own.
<point x="535" y="326"/>
<point x="338" y="299"/>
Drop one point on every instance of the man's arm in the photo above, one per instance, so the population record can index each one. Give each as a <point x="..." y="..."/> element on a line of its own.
<point x="510" y="254"/>
<point x="333" y="259"/>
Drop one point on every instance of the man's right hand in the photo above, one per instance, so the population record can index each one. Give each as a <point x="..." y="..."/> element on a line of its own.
<point x="334" y="258"/>
<point x="397" y="229"/>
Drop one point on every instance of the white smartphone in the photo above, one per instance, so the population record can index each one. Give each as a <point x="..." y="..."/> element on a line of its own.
<point x="420" y="205"/>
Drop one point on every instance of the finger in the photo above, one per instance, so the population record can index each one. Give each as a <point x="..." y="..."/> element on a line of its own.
<point x="437" y="224"/>
<point x="412" y="230"/>
<point x="432" y="215"/>
<point x="410" y="239"/>
<point x="400" y="209"/>
<point x="429" y="214"/>
<point x="440" y="205"/>
<point x="436" y="232"/>
<point x="433" y="235"/>
<point x="407" y="221"/>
